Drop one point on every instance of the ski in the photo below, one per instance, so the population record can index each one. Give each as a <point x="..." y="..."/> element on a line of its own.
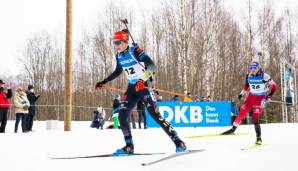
<point x="217" y="135"/>
<point x="173" y="156"/>
<point x="108" y="155"/>
<point x="251" y="147"/>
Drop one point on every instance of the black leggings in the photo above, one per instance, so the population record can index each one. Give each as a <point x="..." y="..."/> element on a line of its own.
<point x="3" y="119"/>
<point x="132" y="97"/>
<point x="257" y="127"/>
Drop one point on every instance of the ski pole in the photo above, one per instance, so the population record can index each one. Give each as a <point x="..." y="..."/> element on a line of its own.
<point x="166" y="91"/>
<point x="113" y="89"/>
<point x="157" y="89"/>
<point x="110" y="89"/>
<point x="125" y="22"/>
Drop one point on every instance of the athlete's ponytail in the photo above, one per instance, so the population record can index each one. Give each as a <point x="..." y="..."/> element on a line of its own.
<point x="127" y="32"/>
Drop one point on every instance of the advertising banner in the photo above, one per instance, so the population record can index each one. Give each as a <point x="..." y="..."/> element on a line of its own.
<point x="194" y="114"/>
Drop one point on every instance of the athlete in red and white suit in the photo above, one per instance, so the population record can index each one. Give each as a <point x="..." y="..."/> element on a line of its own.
<point x="256" y="87"/>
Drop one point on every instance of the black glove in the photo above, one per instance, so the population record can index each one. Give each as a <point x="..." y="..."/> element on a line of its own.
<point x="100" y="84"/>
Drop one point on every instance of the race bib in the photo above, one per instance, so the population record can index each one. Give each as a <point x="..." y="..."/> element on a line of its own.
<point x="258" y="89"/>
<point x="134" y="72"/>
<point x="133" y="69"/>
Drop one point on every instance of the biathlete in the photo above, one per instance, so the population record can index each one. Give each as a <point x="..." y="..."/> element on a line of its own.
<point x="256" y="87"/>
<point x="130" y="59"/>
<point x="116" y="109"/>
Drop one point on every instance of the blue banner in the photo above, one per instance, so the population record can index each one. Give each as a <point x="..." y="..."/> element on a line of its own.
<point x="193" y="114"/>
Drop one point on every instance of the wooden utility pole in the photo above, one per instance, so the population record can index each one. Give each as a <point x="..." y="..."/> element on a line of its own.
<point x="68" y="67"/>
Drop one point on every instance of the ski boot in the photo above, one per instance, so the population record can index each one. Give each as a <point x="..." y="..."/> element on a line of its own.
<point x="230" y="131"/>
<point x="259" y="141"/>
<point x="180" y="145"/>
<point x="127" y="149"/>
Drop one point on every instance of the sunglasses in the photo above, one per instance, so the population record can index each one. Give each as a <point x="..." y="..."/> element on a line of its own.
<point x="117" y="42"/>
<point x="252" y="68"/>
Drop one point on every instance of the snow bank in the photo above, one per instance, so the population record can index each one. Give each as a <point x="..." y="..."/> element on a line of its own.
<point x="32" y="151"/>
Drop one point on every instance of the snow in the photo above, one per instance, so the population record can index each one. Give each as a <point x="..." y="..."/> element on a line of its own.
<point x="32" y="151"/>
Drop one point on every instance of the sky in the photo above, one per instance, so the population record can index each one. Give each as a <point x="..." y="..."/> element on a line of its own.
<point x="21" y="19"/>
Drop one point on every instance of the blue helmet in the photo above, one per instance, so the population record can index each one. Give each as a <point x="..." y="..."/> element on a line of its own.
<point x="117" y="96"/>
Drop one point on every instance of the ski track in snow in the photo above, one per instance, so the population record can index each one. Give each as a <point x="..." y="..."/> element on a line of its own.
<point x="32" y="151"/>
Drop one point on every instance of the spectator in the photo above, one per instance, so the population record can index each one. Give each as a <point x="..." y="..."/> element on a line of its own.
<point x="99" y="118"/>
<point x="234" y="110"/>
<point x="22" y="105"/>
<point x="187" y="98"/>
<point x="209" y="99"/>
<point x="5" y="95"/>
<point x="196" y="98"/>
<point x="203" y="99"/>
<point x="155" y="93"/>
<point x="116" y="109"/>
<point x="32" y="99"/>
<point x="142" y="113"/>
<point x="132" y="120"/>
<point x="159" y="99"/>
<point x="175" y="98"/>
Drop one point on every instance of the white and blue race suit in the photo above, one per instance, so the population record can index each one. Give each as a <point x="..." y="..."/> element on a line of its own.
<point x="134" y="69"/>
<point x="257" y="83"/>
<point x="133" y="62"/>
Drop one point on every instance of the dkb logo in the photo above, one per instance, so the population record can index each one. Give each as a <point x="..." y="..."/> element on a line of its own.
<point x="178" y="114"/>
